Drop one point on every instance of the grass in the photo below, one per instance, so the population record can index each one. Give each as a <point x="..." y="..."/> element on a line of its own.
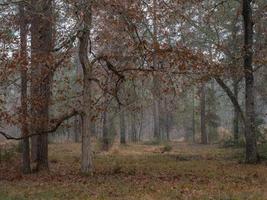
<point x="139" y="172"/>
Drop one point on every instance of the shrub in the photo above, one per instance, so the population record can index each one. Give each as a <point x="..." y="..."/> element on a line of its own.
<point x="166" y="148"/>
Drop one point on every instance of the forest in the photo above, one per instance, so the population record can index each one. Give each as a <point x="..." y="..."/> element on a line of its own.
<point x="133" y="99"/>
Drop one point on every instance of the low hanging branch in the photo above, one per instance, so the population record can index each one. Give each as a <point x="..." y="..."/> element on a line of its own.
<point x="54" y="125"/>
<point x="231" y="96"/>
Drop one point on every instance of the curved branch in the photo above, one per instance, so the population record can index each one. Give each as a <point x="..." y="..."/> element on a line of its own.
<point x="55" y="124"/>
<point x="231" y="96"/>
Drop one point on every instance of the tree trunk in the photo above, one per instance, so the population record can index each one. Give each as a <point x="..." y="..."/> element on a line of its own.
<point x="193" y="117"/>
<point x="236" y="113"/>
<point x="156" y="102"/>
<point x="204" y="138"/>
<point x="26" y="167"/>
<point x="122" y="126"/>
<point x="41" y="44"/>
<point x="105" y="139"/>
<point x="166" y="121"/>
<point x="140" y="132"/>
<point x="133" y="127"/>
<point x="250" y="134"/>
<point x="86" y="162"/>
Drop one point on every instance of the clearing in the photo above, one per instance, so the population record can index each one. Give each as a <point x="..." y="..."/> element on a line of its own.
<point x="139" y="172"/>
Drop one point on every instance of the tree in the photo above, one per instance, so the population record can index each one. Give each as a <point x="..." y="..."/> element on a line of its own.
<point x="122" y="126"/>
<point x="26" y="168"/>
<point x="250" y="132"/>
<point x="84" y="34"/>
<point x="204" y="137"/>
<point x="41" y="65"/>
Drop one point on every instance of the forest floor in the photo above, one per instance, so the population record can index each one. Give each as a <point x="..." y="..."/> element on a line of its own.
<point x="140" y="172"/>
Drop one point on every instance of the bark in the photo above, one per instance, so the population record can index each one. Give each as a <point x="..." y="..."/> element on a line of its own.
<point x="41" y="44"/>
<point x="250" y="133"/>
<point x="26" y="168"/>
<point x="236" y="113"/>
<point x="204" y="138"/>
<point x="86" y="162"/>
<point x="122" y="127"/>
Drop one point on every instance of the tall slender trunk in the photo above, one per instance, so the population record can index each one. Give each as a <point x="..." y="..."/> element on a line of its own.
<point x="122" y="126"/>
<point x="236" y="113"/>
<point x="166" y="121"/>
<point x="156" y="120"/>
<point x="133" y="127"/>
<point x="250" y="134"/>
<point x="204" y="138"/>
<point x="193" y="117"/>
<point x="41" y="44"/>
<point x="156" y="103"/>
<point x="86" y="162"/>
<point x="26" y="168"/>
<point x="140" y="132"/>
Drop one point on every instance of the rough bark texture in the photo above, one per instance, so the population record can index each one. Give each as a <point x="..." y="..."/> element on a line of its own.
<point x="26" y="168"/>
<point x="251" y="143"/>
<point x="86" y="162"/>
<point x="204" y="138"/>
<point x="41" y="59"/>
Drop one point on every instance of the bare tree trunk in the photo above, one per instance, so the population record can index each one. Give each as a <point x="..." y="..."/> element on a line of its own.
<point x="122" y="127"/>
<point x="250" y="134"/>
<point x="86" y="162"/>
<point x="166" y="120"/>
<point x="236" y="113"/>
<point x="155" y="78"/>
<point x="41" y="38"/>
<point x="193" y="117"/>
<point x="140" y="132"/>
<point x="26" y="167"/>
<point x="204" y="138"/>
<point x="133" y="127"/>
<point x="156" y="120"/>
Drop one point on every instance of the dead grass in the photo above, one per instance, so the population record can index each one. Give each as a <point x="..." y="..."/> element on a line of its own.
<point x="139" y="172"/>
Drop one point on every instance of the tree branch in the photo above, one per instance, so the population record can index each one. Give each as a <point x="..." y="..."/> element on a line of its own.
<point x="54" y="125"/>
<point x="231" y="96"/>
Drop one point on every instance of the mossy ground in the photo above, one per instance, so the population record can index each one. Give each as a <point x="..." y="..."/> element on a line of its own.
<point x="139" y="172"/>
